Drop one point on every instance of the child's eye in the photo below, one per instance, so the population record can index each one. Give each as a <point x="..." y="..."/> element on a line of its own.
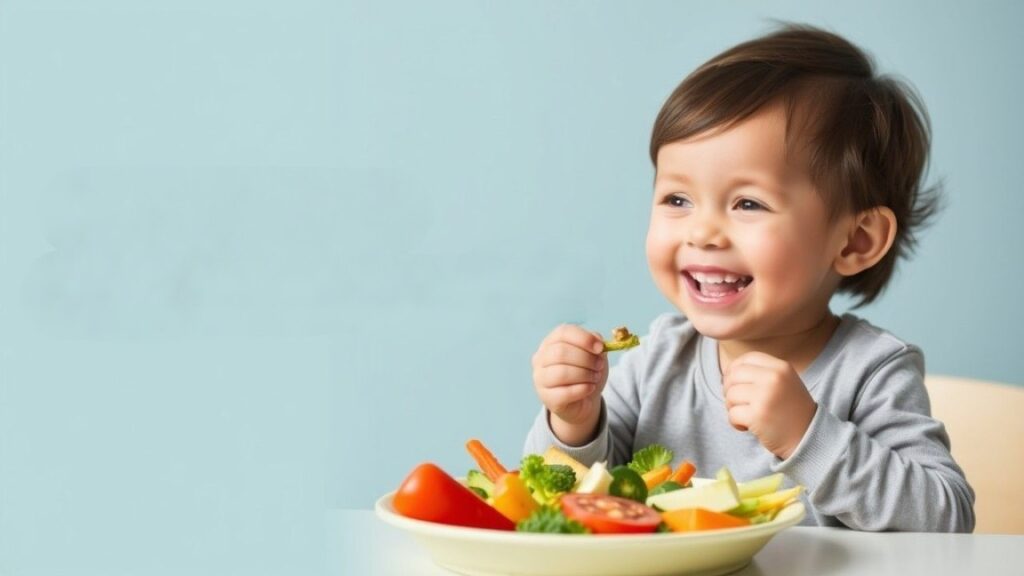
<point x="676" y="201"/>
<point x="748" y="204"/>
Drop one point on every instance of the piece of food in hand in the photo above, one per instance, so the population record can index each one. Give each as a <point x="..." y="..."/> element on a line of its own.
<point x="546" y="481"/>
<point x="603" y="514"/>
<point x="512" y="498"/>
<point x="621" y="340"/>
<point x="429" y="493"/>
<point x="693" y="519"/>
<point x="597" y="480"/>
<point x="548" y="520"/>
<point x="555" y="456"/>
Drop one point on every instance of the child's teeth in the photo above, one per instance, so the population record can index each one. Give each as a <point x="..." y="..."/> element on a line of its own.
<point x="705" y="278"/>
<point x="718" y="285"/>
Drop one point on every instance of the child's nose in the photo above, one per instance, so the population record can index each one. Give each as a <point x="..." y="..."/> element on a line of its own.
<point x="705" y="233"/>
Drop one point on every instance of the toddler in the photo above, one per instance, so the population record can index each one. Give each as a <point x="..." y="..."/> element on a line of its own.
<point x="786" y="170"/>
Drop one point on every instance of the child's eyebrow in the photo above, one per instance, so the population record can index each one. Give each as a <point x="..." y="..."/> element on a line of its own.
<point x="672" y="176"/>
<point x="765" y="183"/>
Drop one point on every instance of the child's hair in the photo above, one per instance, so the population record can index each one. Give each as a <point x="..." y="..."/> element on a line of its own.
<point x="865" y="137"/>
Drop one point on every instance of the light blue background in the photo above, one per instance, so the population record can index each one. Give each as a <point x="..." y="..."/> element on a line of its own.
<point x="256" y="262"/>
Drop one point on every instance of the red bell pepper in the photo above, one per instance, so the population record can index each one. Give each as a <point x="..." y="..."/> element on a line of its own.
<point x="430" y="494"/>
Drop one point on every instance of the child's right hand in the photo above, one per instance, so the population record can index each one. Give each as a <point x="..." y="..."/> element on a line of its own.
<point x="569" y="373"/>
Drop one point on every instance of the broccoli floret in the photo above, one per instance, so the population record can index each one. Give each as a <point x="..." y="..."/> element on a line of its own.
<point x="546" y="481"/>
<point x="649" y="458"/>
<point x="550" y="520"/>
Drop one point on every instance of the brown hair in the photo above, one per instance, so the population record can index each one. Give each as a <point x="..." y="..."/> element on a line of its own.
<point x="866" y="137"/>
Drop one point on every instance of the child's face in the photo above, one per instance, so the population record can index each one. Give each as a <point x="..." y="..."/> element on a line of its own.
<point x="739" y="239"/>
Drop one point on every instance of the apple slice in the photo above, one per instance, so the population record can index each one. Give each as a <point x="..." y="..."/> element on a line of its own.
<point x="767" y="503"/>
<point x="596" y="481"/>
<point x="717" y="496"/>
<point x="760" y="486"/>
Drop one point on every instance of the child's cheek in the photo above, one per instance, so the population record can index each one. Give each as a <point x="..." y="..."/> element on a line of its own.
<point x="782" y="268"/>
<point x="772" y="263"/>
<point x="660" y="251"/>
<point x="661" y="259"/>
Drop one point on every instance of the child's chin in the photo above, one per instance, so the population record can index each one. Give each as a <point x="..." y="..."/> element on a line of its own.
<point x="717" y="328"/>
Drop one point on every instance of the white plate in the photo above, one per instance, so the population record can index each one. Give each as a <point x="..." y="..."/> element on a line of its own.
<point x="479" y="552"/>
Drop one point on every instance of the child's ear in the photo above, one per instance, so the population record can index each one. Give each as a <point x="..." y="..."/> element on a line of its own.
<point x="870" y="238"/>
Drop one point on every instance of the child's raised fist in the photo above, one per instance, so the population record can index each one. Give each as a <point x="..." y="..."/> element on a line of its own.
<point x="570" y="369"/>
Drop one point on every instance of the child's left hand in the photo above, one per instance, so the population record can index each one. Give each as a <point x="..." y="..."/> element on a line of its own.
<point x="765" y="396"/>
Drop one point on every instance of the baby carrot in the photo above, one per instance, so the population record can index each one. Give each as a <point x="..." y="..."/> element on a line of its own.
<point x="488" y="464"/>
<point x="683" y="474"/>
<point x="654" y="477"/>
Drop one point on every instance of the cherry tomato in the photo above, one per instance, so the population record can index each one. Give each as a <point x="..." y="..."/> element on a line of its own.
<point x="429" y="493"/>
<point x="605" y="514"/>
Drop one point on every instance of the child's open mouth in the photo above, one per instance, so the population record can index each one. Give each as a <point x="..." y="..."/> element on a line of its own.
<point x="716" y="288"/>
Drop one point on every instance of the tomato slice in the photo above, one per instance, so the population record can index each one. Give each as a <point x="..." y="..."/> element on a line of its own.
<point x="605" y="514"/>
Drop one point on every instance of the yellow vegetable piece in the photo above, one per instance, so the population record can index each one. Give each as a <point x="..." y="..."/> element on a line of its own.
<point x="768" y="504"/>
<point x="778" y="500"/>
<point x="654" y="477"/>
<point x="555" y="456"/>
<point x="512" y="498"/>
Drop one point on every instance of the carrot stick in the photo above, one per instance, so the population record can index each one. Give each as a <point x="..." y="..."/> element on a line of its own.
<point x="488" y="464"/>
<point x="683" y="474"/>
<point x="654" y="477"/>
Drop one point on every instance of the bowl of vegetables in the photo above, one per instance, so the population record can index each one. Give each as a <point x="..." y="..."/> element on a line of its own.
<point x="556" y="516"/>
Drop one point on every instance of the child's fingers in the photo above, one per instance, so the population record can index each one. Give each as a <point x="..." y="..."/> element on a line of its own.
<point x="741" y="416"/>
<point x="602" y="369"/>
<point x="739" y="374"/>
<point x="564" y="353"/>
<point x="738" y="394"/>
<point x="563" y="375"/>
<point x="758" y="359"/>
<point x="558" y="398"/>
<point x="576" y="336"/>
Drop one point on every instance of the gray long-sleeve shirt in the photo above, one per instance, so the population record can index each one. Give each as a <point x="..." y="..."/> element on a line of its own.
<point x="872" y="458"/>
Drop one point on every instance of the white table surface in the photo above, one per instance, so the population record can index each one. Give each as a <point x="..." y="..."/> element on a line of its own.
<point x="359" y="543"/>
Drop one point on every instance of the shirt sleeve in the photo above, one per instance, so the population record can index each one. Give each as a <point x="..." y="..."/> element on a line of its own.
<point x="888" y="467"/>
